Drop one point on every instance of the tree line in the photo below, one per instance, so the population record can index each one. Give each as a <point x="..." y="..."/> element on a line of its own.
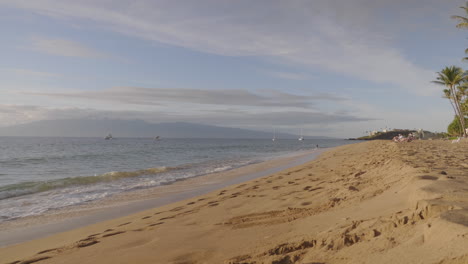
<point x="455" y="79"/>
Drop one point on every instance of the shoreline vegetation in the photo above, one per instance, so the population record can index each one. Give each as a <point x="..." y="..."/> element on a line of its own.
<point x="370" y="202"/>
<point x="455" y="80"/>
<point x="405" y="132"/>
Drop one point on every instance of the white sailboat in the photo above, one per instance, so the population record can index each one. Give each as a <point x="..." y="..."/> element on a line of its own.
<point x="301" y="137"/>
<point x="274" y="135"/>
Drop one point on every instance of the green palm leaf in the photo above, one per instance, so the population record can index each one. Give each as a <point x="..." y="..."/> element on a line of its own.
<point x="463" y="20"/>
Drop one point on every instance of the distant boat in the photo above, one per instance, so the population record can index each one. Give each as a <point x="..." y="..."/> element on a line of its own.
<point x="108" y="137"/>
<point x="301" y="137"/>
<point x="274" y="135"/>
<point x="156" y="138"/>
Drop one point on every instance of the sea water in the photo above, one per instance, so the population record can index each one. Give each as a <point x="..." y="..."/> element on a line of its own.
<point x="38" y="175"/>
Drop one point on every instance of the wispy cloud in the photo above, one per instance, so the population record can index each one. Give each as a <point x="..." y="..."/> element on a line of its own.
<point x="289" y="75"/>
<point x="351" y="38"/>
<point x="29" y="73"/>
<point x="64" y="47"/>
<point x="232" y="97"/>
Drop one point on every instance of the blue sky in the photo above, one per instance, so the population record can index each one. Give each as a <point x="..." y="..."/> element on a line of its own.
<point x="331" y="67"/>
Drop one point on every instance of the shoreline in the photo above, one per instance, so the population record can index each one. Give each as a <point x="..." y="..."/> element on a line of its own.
<point x="127" y="203"/>
<point x="372" y="202"/>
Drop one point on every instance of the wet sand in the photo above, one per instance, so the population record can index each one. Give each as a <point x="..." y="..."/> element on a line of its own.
<point x="21" y="230"/>
<point x="372" y="202"/>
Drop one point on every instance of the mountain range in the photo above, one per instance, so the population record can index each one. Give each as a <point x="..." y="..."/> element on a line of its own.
<point x="132" y="128"/>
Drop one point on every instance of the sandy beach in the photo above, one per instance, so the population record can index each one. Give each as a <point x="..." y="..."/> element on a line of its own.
<point x="125" y="203"/>
<point x="371" y="202"/>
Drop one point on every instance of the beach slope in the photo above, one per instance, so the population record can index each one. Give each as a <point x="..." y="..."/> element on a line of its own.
<point x="372" y="202"/>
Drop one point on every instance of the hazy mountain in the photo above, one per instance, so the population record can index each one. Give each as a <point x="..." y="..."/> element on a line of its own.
<point x="131" y="128"/>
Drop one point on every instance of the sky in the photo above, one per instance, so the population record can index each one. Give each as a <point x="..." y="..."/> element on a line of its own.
<point x="328" y="67"/>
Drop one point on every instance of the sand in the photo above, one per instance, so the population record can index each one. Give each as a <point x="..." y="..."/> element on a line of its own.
<point x="372" y="202"/>
<point x="126" y="203"/>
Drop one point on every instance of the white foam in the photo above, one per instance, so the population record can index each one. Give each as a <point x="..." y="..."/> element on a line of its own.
<point x="224" y="168"/>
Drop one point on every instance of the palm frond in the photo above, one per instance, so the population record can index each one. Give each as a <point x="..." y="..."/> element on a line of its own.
<point x="461" y="18"/>
<point x="462" y="25"/>
<point x="439" y="82"/>
<point x="451" y="76"/>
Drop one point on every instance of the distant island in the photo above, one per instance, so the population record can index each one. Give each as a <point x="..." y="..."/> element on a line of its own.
<point x="135" y="128"/>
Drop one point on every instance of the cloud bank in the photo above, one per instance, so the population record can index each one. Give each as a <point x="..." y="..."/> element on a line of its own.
<point x="231" y="97"/>
<point x="351" y="38"/>
<point x="229" y="118"/>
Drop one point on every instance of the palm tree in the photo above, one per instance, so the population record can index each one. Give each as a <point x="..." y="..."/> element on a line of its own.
<point x="452" y="77"/>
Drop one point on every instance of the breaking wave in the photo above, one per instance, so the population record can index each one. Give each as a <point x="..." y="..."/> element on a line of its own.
<point x="25" y="188"/>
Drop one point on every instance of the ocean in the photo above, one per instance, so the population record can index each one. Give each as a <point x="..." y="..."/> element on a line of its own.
<point x="38" y="175"/>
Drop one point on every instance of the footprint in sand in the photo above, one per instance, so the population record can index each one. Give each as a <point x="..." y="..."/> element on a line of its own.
<point x="428" y="177"/>
<point x="314" y="189"/>
<point x="113" y="234"/>
<point x="124" y="224"/>
<point x="155" y="224"/>
<point x="82" y="244"/>
<point x="29" y="261"/>
<point x="177" y="209"/>
<point x="48" y="250"/>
